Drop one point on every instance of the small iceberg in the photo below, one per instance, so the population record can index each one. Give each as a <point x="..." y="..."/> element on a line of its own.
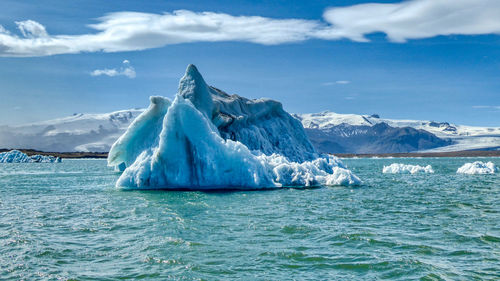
<point x="478" y="167"/>
<point x="398" y="168"/>
<point x="202" y="141"/>
<point x="16" y="156"/>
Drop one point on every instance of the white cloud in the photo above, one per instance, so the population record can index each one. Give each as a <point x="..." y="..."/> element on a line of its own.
<point x="130" y="31"/>
<point x="31" y="29"/>
<point x="3" y="30"/>
<point x="415" y="19"/>
<point x="126" y="70"/>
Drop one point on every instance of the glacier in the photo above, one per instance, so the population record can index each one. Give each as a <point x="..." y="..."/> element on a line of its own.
<point x="16" y="156"/>
<point x="352" y="133"/>
<point x="76" y="133"/>
<point x="398" y="168"/>
<point x="207" y="139"/>
<point x="478" y="167"/>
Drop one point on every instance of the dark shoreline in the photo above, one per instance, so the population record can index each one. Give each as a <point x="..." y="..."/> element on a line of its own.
<point x="467" y="153"/>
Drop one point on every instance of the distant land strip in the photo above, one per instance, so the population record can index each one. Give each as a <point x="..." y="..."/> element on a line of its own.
<point x="466" y="153"/>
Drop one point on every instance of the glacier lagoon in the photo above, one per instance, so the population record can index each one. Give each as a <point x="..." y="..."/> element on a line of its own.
<point x="67" y="220"/>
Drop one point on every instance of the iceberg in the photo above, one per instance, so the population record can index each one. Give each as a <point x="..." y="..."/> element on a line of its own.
<point x="16" y="156"/>
<point x="478" y="167"/>
<point x="398" y="168"/>
<point x="206" y="139"/>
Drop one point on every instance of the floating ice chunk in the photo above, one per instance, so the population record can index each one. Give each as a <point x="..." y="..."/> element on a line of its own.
<point x="321" y="171"/>
<point x="478" y="167"/>
<point x="398" y="168"/>
<point x="45" y="159"/>
<point x="16" y="156"/>
<point x="192" y="155"/>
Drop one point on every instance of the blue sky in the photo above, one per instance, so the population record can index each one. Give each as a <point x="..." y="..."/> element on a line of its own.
<point x="328" y="59"/>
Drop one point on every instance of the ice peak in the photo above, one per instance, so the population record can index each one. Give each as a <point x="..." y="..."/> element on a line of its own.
<point x="193" y="87"/>
<point x="192" y="70"/>
<point x="159" y="100"/>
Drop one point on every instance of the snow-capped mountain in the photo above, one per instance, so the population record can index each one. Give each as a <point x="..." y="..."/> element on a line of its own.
<point x="328" y="131"/>
<point x="352" y="133"/>
<point x="80" y="132"/>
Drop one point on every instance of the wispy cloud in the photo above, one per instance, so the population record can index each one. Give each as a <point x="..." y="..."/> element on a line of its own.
<point x="339" y="82"/>
<point x="342" y="82"/>
<point x="130" y="31"/>
<point x="126" y="70"/>
<point x="497" y="107"/>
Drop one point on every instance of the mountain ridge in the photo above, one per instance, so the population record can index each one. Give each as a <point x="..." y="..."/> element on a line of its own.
<point x="450" y="137"/>
<point x="97" y="132"/>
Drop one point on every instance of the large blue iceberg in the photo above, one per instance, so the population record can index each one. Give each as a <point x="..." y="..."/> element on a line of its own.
<point x="207" y="139"/>
<point x="16" y="156"/>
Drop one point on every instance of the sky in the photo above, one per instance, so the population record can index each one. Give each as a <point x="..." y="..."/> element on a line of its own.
<point x="420" y="59"/>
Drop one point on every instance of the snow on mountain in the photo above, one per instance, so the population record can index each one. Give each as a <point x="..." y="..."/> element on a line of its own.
<point x="179" y="144"/>
<point x="372" y="134"/>
<point x="80" y="132"/>
<point x="327" y="119"/>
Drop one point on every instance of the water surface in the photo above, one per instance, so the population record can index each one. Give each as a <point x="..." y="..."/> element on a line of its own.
<point x="67" y="221"/>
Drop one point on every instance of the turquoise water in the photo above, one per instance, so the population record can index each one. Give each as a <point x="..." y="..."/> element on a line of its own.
<point x="66" y="221"/>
